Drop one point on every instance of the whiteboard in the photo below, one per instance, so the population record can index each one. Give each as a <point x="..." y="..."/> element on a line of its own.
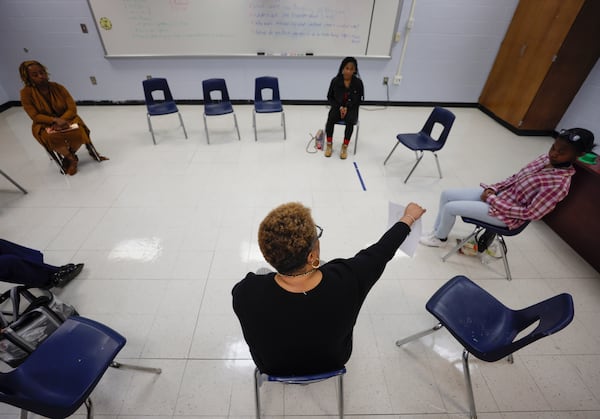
<point x="334" y="28"/>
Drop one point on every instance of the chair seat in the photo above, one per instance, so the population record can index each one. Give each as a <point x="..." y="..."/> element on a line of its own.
<point x="61" y="373"/>
<point x="220" y="108"/>
<point x="268" y="107"/>
<point x="306" y="379"/>
<point x="502" y="231"/>
<point x="487" y="328"/>
<point x="419" y="141"/>
<point x="162" y="108"/>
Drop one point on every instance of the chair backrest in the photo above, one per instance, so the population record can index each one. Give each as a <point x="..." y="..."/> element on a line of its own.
<point x="442" y="116"/>
<point x="154" y="84"/>
<point x="486" y="327"/>
<point x="212" y="85"/>
<point x="266" y="82"/>
<point x="60" y="374"/>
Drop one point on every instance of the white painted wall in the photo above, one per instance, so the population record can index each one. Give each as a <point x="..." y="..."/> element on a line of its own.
<point x="584" y="111"/>
<point x="451" y="50"/>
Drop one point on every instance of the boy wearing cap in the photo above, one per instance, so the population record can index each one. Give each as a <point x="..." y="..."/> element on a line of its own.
<point x="527" y="195"/>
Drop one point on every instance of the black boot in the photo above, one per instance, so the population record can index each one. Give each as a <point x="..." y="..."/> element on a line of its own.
<point x="66" y="274"/>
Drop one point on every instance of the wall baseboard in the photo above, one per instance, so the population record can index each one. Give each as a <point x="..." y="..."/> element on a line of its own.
<point x="517" y="131"/>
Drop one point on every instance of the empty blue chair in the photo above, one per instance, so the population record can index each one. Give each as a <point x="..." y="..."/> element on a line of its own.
<point x="272" y="104"/>
<point x="500" y="233"/>
<point x="486" y="328"/>
<point x="58" y="377"/>
<point x="217" y="102"/>
<point x="163" y="106"/>
<point x="259" y="378"/>
<point x="423" y="141"/>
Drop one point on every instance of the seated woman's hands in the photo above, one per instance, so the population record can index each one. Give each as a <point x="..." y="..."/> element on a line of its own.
<point x="59" y="124"/>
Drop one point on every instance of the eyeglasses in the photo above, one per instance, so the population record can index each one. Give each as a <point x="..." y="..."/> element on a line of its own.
<point x="319" y="232"/>
<point x="571" y="136"/>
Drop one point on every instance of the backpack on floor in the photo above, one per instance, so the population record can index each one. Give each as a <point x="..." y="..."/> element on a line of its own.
<point x="27" y="317"/>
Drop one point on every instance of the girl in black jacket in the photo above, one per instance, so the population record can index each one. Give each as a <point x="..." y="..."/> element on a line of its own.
<point x="345" y="93"/>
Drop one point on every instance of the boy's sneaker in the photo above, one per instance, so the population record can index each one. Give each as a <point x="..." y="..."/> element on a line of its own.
<point x="432" y="241"/>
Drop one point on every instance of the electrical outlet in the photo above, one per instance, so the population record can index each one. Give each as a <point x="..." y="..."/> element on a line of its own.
<point x="385" y="80"/>
<point x="148" y="77"/>
<point x="93" y="80"/>
<point x="84" y="28"/>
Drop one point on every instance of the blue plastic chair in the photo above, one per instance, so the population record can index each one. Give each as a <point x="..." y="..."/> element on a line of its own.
<point x="220" y="104"/>
<point x="272" y="105"/>
<point x="500" y="233"/>
<point x="423" y="141"/>
<point x="163" y="106"/>
<point x="486" y="328"/>
<point x="58" y="377"/>
<point x="259" y="378"/>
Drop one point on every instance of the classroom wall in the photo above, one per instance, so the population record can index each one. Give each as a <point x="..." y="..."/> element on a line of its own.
<point x="584" y="111"/>
<point x="450" y="52"/>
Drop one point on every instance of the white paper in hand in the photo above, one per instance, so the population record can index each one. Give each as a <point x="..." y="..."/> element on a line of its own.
<point x="395" y="211"/>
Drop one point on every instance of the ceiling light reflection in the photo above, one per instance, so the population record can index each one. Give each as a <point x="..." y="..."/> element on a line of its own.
<point x="140" y="249"/>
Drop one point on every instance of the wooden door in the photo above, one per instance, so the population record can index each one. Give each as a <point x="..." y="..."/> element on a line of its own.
<point x="574" y="61"/>
<point x="533" y="38"/>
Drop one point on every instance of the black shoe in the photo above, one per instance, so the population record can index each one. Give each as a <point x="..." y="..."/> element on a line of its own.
<point x="66" y="274"/>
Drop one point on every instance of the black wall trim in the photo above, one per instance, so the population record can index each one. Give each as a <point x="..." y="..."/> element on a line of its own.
<point x="483" y="109"/>
<point x="520" y="132"/>
<point x="10" y="104"/>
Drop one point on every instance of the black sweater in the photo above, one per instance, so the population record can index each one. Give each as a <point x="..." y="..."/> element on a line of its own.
<point x="351" y="97"/>
<point x="296" y="333"/>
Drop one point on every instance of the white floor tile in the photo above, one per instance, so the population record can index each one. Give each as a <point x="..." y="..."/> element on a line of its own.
<point x="165" y="232"/>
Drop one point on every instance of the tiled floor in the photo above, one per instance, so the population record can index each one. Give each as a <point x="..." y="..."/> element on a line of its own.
<point x="166" y="230"/>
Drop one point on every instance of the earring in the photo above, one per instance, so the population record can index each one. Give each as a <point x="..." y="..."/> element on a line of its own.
<point x="317" y="262"/>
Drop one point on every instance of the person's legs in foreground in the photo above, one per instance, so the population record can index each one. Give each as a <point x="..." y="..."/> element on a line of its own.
<point x="463" y="202"/>
<point x="21" y="265"/>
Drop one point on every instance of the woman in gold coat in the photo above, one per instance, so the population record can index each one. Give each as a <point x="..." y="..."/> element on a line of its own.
<point x="56" y="125"/>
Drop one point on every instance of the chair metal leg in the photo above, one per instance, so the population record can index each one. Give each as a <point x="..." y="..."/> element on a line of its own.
<point x="389" y="155"/>
<point x="150" y="128"/>
<point x="182" y="125"/>
<point x="89" y="407"/>
<point x="461" y="244"/>
<point x="23" y="414"/>
<point x="438" y="163"/>
<point x="257" y="383"/>
<point x="254" y="124"/>
<point x="510" y="359"/>
<point x="504" y="258"/>
<point x="356" y="138"/>
<point x="13" y="182"/>
<point x="465" y="362"/>
<point x="119" y="365"/>
<point x="283" y="123"/>
<point x="419" y="335"/>
<point x="206" y="130"/>
<point x="415" y="166"/>
<point x="236" y="127"/>
<point x="341" y="396"/>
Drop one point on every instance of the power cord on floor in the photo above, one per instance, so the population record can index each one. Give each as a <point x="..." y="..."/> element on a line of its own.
<point x="313" y="139"/>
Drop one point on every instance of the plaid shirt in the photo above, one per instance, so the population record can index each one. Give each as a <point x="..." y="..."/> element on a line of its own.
<point x="529" y="194"/>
